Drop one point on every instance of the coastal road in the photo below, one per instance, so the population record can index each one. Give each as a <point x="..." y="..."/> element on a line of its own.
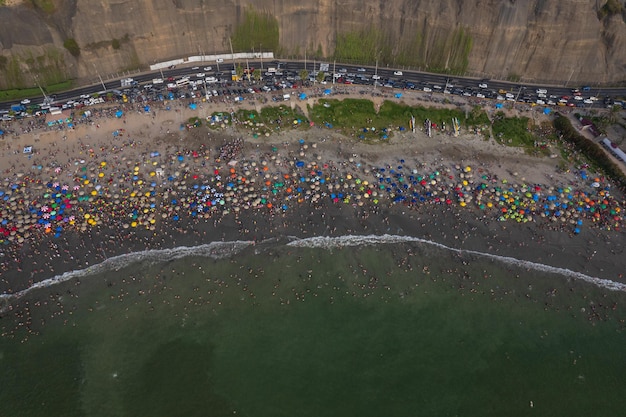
<point x="466" y="84"/>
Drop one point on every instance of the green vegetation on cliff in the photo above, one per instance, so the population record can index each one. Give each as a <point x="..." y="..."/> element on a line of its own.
<point x="610" y="8"/>
<point x="436" y="51"/>
<point x="18" y="94"/>
<point x="20" y="70"/>
<point x="72" y="46"/>
<point x="46" y="6"/>
<point x="258" y="31"/>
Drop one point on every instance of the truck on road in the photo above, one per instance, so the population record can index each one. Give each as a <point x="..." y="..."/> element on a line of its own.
<point x="127" y="82"/>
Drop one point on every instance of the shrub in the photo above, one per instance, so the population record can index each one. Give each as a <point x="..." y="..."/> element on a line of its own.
<point x="115" y="43"/>
<point x="590" y="150"/>
<point x="71" y="45"/>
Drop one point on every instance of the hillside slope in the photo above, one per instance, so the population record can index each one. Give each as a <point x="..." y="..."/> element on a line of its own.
<point x="534" y="40"/>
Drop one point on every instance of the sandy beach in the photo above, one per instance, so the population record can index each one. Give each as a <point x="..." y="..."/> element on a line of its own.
<point x="115" y="185"/>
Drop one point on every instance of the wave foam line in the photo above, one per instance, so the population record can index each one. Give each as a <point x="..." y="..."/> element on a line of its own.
<point x="355" y="240"/>
<point x="215" y="250"/>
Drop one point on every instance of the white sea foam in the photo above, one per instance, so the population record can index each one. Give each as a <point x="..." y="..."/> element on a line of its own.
<point x="355" y="240"/>
<point x="215" y="250"/>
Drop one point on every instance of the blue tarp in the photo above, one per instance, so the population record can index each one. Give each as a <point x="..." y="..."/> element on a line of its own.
<point x="146" y="108"/>
<point x="1" y="132"/>
<point x="327" y="91"/>
<point x="547" y="110"/>
<point x="119" y="114"/>
<point x="193" y="106"/>
<point x="302" y="96"/>
<point x="498" y="105"/>
<point x="398" y="95"/>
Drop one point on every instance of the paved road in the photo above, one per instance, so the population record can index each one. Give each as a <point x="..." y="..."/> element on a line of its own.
<point x="385" y="73"/>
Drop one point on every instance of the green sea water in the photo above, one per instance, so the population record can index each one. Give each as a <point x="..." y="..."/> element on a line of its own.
<point x="393" y="330"/>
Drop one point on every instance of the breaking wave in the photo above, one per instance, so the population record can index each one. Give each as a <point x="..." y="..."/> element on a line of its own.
<point x="355" y="240"/>
<point x="215" y="250"/>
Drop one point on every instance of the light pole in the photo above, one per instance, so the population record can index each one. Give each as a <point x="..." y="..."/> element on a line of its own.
<point x="104" y="88"/>
<point x="45" y="97"/>
<point x="570" y="77"/>
<point x="261" y="51"/>
<point x="232" y="54"/>
<point x="376" y="73"/>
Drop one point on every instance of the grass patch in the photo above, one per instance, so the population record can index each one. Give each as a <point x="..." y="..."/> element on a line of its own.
<point x="18" y="94"/>
<point x="358" y="117"/>
<point x="513" y="131"/>
<point x="271" y="119"/>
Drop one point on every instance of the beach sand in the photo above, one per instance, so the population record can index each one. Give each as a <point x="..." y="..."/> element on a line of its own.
<point x="108" y="164"/>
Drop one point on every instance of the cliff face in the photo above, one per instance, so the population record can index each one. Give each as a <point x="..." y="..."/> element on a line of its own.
<point x="538" y="40"/>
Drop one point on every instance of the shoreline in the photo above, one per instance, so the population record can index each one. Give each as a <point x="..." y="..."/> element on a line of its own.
<point x="256" y="204"/>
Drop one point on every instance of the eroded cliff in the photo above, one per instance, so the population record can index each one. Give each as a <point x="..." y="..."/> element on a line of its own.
<point x="538" y="40"/>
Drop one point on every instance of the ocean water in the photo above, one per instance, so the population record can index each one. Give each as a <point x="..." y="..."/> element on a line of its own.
<point x="370" y="326"/>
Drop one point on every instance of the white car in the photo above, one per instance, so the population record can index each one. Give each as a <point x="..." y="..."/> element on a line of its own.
<point x="427" y="89"/>
<point x="480" y="95"/>
<point x="361" y="70"/>
<point x="376" y="77"/>
<point x="482" y="85"/>
<point x="207" y="68"/>
<point x="541" y="91"/>
<point x="25" y="101"/>
<point x="200" y="75"/>
<point x="397" y="73"/>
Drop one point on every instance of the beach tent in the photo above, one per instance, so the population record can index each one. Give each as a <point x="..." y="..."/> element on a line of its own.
<point x="1" y="132"/>
<point x="398" y="95"/>
<point x="146" y="109"/>
<point x="119" y="114"/>
<point x="499" y="105"/>
<point x="302" y="96"/>
<point x="327" y="91"/>
<point x="546" y="110"/>
<point x="193" y="106"/>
